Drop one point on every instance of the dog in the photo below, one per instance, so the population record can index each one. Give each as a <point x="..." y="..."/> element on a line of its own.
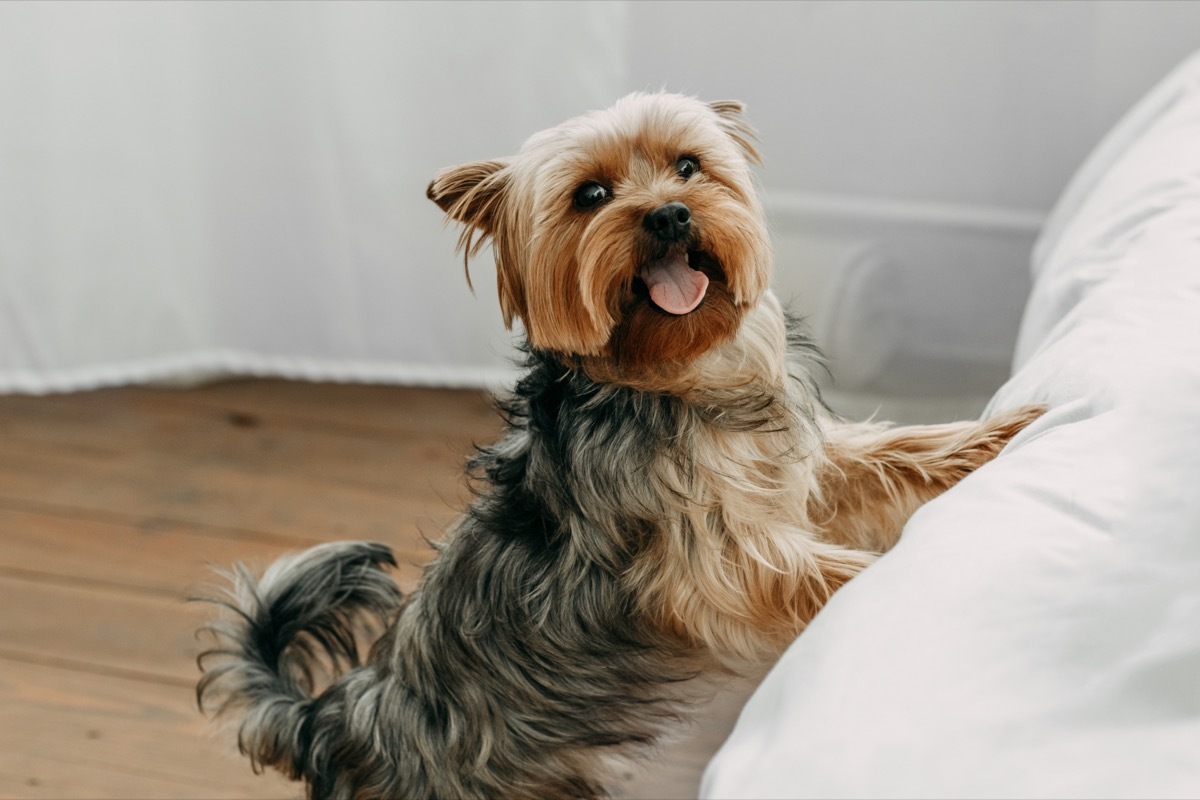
<point x="671" y="497"/>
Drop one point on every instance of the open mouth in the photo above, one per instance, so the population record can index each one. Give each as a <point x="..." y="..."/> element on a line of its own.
<point x="677" y="281"/>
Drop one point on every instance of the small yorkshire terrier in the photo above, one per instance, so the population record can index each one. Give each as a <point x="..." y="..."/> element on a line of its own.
<point x="670" y="497"/>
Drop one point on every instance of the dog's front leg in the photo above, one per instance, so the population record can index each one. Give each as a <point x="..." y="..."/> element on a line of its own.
<point x="746" y="601"/>
<point x="875" y="478"/>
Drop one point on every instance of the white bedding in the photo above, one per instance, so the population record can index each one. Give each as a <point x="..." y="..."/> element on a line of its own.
<point x="1037" y="630"/>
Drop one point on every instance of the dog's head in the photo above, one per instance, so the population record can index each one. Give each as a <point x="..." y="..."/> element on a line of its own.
<point x="629" y="238"/>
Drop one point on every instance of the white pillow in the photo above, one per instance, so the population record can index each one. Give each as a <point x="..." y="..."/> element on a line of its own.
<point x="1037" y="630"/>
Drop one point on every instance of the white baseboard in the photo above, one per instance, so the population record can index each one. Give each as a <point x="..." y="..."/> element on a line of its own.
<point x="787" y="207"/>
<point x="908" y="298"/>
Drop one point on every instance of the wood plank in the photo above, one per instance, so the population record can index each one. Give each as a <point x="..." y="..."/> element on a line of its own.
<point x="395" y="409"/>
<point x="69" y="734"/>
<point x="136" y="428"/>
<point x="170" y="558"/>
<point x="119" y="453"/>
<point x="37" y="777"/>
<point x="373" y="412"/>
<point x="102" y="629"/>
<point x="187" y="488"/>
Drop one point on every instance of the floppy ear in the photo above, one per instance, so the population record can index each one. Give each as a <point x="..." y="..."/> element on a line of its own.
<point x="471" y="194"/>
<point x="475" y="195"/>
<point x="736" y="127"/>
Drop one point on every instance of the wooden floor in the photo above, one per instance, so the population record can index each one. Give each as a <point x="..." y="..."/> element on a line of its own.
<point x="114" y="503"/>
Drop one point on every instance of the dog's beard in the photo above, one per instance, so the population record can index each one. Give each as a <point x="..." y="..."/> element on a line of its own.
<point x="651" y="340"/>
<point x="671" y="302"/>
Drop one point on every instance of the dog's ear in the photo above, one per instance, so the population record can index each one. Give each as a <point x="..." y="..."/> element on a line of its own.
<point x="731" y="115"/>
<point x="475" y="195"/>
<point x="471" y="193"/>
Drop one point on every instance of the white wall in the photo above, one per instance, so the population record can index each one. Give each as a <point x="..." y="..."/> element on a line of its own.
<point x="190" y="188"/>
<point x="912" y="150"/>
<point x="195" y="185"/>
<point x="991" y="103"/>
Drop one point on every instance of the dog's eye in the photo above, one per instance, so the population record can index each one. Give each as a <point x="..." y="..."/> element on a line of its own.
<point x="591" y="195"/>
<point x="687" y="166"/>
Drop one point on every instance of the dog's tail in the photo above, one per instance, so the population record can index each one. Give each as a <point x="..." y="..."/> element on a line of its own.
<point x="304" y="615"/>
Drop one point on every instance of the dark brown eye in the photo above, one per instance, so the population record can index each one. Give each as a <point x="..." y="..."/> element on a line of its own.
<point x="591" y="195"/>
<point x="687" y="166"/>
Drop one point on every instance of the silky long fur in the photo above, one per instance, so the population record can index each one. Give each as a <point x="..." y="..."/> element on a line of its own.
<point x="670" y="497"/>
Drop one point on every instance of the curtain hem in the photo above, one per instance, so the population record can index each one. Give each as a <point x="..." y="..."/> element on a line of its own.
<point x="196" y="368"/>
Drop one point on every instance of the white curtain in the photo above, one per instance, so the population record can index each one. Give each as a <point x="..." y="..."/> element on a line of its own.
<point x="192" y="188"/>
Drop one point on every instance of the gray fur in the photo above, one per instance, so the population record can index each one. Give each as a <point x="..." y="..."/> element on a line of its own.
<point x="523" y="661"/>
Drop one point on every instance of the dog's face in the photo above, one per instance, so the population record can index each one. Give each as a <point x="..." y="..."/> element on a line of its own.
<point x="631" y="237"/>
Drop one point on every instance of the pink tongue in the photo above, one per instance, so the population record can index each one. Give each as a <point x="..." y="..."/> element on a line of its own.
<point x="674" y="286"/>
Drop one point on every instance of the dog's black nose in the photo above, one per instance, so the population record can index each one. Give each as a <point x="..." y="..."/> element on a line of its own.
<point x="670" y="222"/>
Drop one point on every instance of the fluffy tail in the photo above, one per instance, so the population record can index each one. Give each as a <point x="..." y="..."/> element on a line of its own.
<point x="300" y="618"/>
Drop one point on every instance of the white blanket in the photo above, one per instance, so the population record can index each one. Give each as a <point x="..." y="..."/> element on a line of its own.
<point x="1037" y="630"/>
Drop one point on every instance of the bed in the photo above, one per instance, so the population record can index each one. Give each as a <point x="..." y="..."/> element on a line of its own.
<point x="1036" y="632"/>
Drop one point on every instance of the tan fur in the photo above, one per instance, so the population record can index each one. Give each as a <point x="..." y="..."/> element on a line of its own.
<point x="875" y="478"/>
<point x="760" y="526"/>
<point x="568" y="275"/>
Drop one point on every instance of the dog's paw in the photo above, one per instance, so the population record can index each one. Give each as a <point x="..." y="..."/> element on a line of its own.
<point x="993" y="433"/>
<point x="1008" y="424"/>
